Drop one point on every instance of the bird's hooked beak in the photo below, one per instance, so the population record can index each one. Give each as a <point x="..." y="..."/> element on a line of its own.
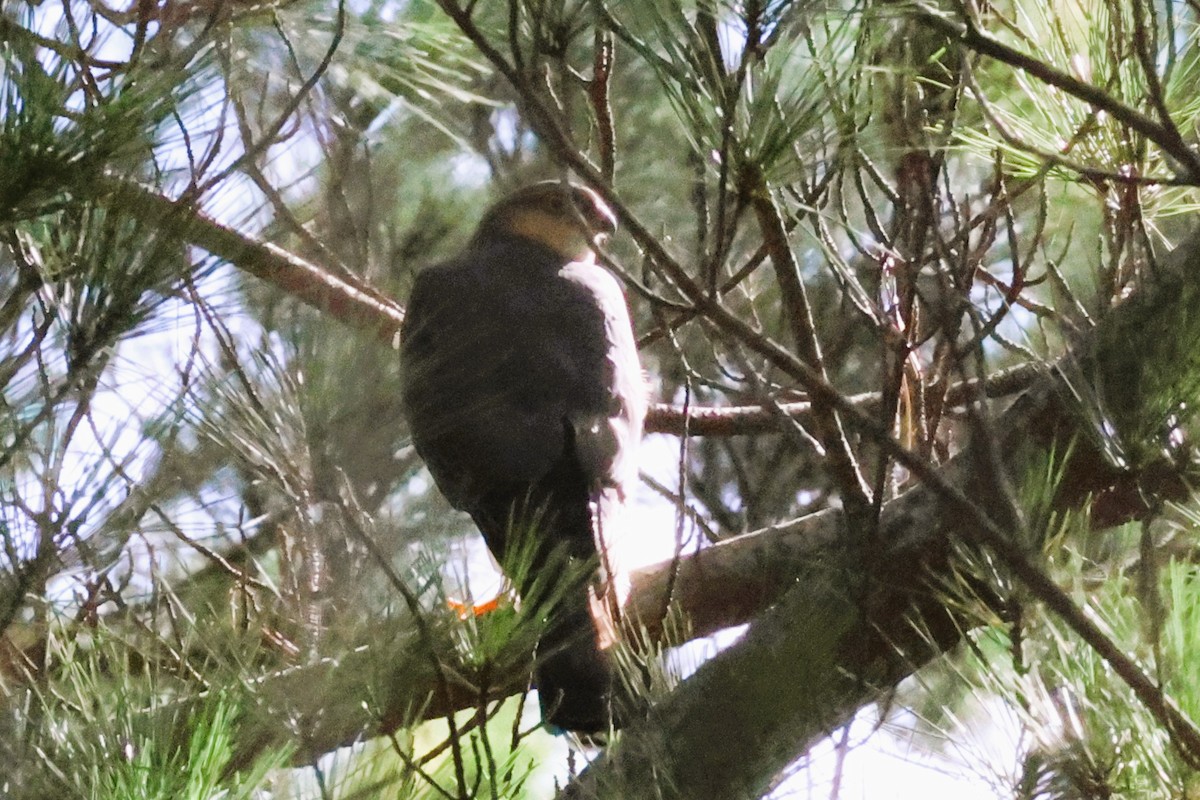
<point x="597" y="215"/>
<point x="593" y="217"/>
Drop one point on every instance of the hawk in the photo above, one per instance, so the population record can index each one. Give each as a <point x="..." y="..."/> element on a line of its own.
<point x="525" y="398"/>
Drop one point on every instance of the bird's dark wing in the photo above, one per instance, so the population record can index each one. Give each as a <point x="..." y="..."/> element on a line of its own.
<point x="508" y="362"/>
<point x="467" y="409"/>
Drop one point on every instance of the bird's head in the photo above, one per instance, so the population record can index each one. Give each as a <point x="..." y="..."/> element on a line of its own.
<point x="568" y="219"/>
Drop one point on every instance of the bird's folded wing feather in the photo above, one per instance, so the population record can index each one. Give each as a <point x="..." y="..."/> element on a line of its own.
<point x="500" y="355"/>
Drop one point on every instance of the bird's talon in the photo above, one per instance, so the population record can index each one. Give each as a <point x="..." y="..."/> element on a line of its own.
<point x="467" y="611"/>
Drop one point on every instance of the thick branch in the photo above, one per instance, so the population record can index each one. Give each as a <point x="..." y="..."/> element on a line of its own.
<point x="747" y="420"/>
<point x="343" y="297"/>
<point x="856" y="620"/>
<point x="794" y="648"/>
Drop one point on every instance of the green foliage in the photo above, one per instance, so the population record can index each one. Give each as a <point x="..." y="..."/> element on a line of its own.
<point x="1080" y="730"/>
<point x="106" y="725"/>
<point x="209" y="506"/>
<point x="63" y="129"/>
<point x="760" y="112"/>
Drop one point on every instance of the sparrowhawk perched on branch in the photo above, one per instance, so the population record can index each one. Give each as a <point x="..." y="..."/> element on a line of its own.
<point x="525" y="397"/>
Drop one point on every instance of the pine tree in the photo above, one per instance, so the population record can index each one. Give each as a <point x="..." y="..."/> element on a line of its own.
<point x="915" y="286"/>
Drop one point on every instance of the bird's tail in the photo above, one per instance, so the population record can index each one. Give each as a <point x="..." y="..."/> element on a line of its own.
<point x="547" y="545"/>
<point x="574" y="672"/>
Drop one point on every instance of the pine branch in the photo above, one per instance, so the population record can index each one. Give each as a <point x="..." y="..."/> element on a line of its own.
<point x="726" y="585"/>
<point x="856" y="620"/>
<point x="750" y="420"/>
<point x="1165" y="134"/>
<point x="835" y="623"/>
<point x="343" y="297"/>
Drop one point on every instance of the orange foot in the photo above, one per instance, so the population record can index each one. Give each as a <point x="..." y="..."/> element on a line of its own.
<point x="466" y="610"/>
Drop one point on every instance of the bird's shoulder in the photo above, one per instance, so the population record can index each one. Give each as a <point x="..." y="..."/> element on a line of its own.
<point x="490" y="270"/>
<point x="445" y="296"/>
<point x="446" y="276"/>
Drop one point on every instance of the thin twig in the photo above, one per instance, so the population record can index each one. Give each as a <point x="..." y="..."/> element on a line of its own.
<point x="842" y="463"/>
